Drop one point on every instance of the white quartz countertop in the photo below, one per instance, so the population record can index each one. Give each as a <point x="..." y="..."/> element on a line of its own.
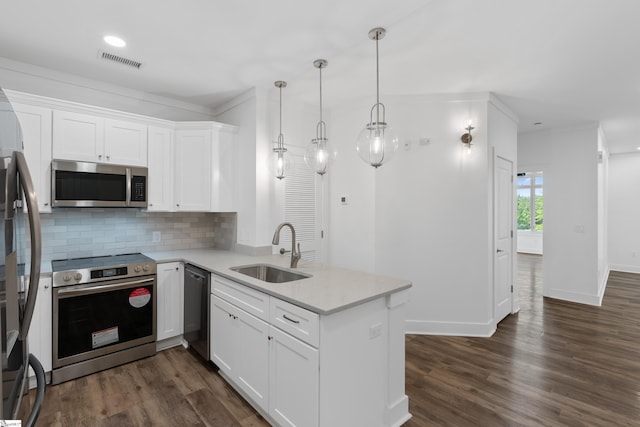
<point x="330" y="289"/>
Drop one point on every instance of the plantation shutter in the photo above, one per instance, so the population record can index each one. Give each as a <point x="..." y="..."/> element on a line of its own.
<point x="300" y="206"/>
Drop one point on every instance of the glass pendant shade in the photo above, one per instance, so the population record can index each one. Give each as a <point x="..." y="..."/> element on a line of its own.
<point x="280" y="162"/>
<point x="318" y="156"/>
<point x="280" y="159"/>
<point x="377" y="142"/>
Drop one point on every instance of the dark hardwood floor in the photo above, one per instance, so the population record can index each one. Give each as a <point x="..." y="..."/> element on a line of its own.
<point x="552" y="364"/>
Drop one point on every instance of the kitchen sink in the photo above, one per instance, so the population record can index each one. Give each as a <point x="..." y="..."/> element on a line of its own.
<point x="270" y="273"/>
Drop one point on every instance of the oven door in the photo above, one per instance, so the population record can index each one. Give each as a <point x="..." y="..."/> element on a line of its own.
<point x="93" y="320"/>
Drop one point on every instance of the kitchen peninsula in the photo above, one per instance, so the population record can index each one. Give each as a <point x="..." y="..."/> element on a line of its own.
<point x="324" y="350"/>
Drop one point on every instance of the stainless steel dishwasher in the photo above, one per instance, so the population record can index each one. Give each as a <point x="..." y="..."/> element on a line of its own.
<point x="196" y="309"/>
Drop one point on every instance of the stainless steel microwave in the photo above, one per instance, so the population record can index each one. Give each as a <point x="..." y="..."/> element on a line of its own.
<point x="84" y="184"/>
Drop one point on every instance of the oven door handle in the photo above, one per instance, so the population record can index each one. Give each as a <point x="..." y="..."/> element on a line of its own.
<point x="74" y="292"/>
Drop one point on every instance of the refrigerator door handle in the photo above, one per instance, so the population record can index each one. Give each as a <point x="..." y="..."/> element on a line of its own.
<point x="41" y="384"/>
<point x="36" y="238"/>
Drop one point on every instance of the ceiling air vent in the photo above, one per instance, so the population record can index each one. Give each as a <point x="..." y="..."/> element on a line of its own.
<point x="119" y="59"/>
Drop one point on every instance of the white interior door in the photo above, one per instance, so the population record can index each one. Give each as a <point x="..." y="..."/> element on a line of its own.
<point x="503" y="257"/>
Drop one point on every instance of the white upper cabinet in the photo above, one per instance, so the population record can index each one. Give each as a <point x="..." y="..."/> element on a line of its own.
<point x="160" y="175"/>
<point x="89" y="138"/>
<point x="224" y="170"/>
<point x="36" y="136"/>
<point x="193" y="170"/>
<point x="77" y="137"/>
<point x="125" y="143"/>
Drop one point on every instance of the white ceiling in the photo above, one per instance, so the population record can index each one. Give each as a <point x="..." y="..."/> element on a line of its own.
<point x="559" y="62"/>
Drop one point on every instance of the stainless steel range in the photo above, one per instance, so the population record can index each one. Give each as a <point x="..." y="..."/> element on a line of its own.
<point x="104" y="313"/>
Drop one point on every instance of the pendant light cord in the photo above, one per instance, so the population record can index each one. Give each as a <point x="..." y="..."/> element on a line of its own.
<point x="280" y="110"/>
<point x="377" y="82"/>
<point x="320" y="68"/>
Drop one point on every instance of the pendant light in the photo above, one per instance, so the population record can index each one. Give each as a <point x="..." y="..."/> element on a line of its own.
<point x="318" y="156"/>
<point x="280" y="158"/>
<point x="377" y="142"/>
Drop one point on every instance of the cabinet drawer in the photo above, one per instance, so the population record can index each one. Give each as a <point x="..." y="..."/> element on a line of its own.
<point x="297" y="321"/>
<point x="250" y="300"/>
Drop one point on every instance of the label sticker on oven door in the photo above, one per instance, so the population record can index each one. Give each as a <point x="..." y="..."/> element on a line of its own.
<point x="104" y="337"/>
<point x="139" y="297"/>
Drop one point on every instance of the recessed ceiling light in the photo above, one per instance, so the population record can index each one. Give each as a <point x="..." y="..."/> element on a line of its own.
<point x="114" y="41"/>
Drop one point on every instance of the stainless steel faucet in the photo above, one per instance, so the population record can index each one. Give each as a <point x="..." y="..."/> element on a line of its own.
<point x="295" y="250"/>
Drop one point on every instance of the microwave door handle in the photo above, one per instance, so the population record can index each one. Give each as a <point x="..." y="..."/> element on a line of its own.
<point x="36" y="240"/>
<point x="128" y="188"/>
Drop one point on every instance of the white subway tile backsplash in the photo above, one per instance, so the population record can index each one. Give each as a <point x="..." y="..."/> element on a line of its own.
<point x="73" y="233"/>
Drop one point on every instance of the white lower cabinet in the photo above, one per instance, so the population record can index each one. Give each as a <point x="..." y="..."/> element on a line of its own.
<point x="299" y="368"/>
<point x="170" y="300"/>
<point x="39" y="337"/>
<point x="241" y="349"/>
<point x="276" y="371"/>
<point x="294" y="384"/>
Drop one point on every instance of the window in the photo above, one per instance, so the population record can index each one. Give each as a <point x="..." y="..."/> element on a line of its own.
<point x="530" y="201"/>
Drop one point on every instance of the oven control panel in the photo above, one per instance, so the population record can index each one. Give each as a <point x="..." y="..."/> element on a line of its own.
<point x="90" y="275"/>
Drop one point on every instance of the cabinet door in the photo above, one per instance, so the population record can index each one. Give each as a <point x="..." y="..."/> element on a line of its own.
<point x="192" y="191"/>
<point x="223" y="336"/>
<point x="253" y="358"/>
<point x="39" y="337"/>
<point x="224" y="170"/>
<point x="170" y="300"/>
<point x="292" y="365"/>
<point x="125" y="143"/>
<point x="239" y="346"/>
<point x="160" y="164"/>
<point x="36" y="134"/>
<point x="77" y="137"/>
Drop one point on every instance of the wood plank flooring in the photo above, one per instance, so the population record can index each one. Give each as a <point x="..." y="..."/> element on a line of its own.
<point x="552" y="364"/>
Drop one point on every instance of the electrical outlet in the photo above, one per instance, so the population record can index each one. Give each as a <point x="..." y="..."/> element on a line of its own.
<point x="156" y="236"/>
<point x="375" y="331"/>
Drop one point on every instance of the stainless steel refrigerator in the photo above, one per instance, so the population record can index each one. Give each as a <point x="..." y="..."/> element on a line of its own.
<point x="22" y="247"/>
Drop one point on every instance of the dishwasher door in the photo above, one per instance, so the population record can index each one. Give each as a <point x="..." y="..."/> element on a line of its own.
<point x="196" y="309"/>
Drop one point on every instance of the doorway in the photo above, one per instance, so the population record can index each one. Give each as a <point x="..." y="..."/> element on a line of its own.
<point x="530" y="212"/>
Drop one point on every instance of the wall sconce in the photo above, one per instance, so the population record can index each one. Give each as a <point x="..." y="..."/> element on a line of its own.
<point x="466" y="138"/>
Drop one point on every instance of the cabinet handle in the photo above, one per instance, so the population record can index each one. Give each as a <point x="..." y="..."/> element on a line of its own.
<point x="269" y="338"/>
<point x="108" y="157"/>
<point x="290" y="319"/>
<point x="46" y="204"/>
<point x="99" y="156"/>
<point x="46" y="286"/>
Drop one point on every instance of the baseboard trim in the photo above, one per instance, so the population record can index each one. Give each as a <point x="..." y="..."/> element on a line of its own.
<point x="168" y="343"/>
<point x="625" y="268"/>
<point x="422" y="327"/>
<point x="577" y="297"/>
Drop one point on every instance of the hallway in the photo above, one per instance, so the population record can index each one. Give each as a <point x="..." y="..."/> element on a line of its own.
<point x="554" y="363"/>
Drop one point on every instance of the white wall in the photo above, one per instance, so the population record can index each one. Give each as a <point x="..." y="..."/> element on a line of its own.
<point x="624" y="212"/>
<point x="569" y="161"/>
<point x="427" y="214"/>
